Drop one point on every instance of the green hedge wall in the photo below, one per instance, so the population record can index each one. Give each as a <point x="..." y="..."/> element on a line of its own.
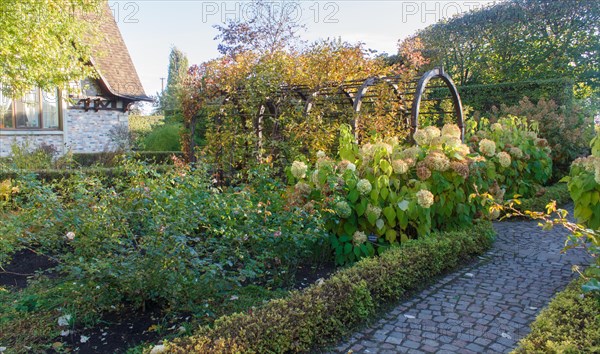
<point x="53" y="174"/>
<point x="109" y="159"/>
<point x="570" y="324"/>
<point x="483" y="97"/>
<point x="326" y="311"/>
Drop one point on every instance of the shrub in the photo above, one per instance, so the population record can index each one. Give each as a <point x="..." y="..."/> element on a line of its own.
<point x="517" y="160"/>
<point x="558" y="192"/>
<point x="170" y="238"/>
<point x="329" y="309"/>
<point x="567" y="128"/>
<point x="384" y="193"/>
<point x="111" y="159"/>
<point x="570" y="324"/>
<point x="164" y="138"/>
<point x="24" y="156"/>
<point x="140" y="127"/>
<point x="584" y="186"/>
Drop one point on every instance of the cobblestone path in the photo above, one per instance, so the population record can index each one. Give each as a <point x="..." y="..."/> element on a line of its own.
<point x="484" y="308"/>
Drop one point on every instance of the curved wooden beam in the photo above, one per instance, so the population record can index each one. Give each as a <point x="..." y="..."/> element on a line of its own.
<point x="422" y="85"/>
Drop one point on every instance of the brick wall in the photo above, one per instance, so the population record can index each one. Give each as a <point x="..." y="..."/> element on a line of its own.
<point x="83" y="132"/>
<point x="29" y="140"/>
<point x="91" y="131"/>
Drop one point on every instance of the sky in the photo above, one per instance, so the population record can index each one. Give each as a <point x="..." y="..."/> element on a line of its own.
<point x="151" y="28"/>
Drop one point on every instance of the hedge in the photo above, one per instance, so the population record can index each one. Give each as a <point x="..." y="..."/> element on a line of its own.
<point x="109" y="159"/>
<point x="570" y="324"/>
<point x="327" y="310"/>
<point x="483" y="97"/>
<point x="49" y="175"/>
<point x="558" y="192"/>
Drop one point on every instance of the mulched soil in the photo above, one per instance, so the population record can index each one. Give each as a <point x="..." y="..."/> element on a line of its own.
<point x="24" y="265"/>
<point x="118" y="332"/>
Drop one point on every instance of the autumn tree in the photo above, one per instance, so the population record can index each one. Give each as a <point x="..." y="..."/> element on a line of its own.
<point x="263" y="26"/>
<point x="45" y="43"/>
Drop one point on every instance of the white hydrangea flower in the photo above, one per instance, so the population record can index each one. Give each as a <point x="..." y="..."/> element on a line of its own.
<point x="504" y="159"/>
<point x="320" y="154"/>
<point x="487" y="147"/>
<point x="516" y="152"/>
<point x="425" y="198"/>
<point x="359" y="238"/>
<point x="400" y="166"/>
<point x="299" y="169"/>
<point x="421" y="137"/>
<point x="432" y="132"/>
<point x="346" y="165"/>
<point x="364" y="187"/>
<point x="451" y="131"/>
<point x="342" y="208"/>
<point x="159" y="349"/>
<point x="375" y="210"/>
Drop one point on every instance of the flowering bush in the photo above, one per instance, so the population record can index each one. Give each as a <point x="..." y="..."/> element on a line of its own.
<point x="584" y="186"/>
<point x="516" y="159"/>
<point x="384" y="193"/>
<point x="390" y="193"/>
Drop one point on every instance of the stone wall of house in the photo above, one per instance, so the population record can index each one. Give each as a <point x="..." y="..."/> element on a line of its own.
<point x="87" y="132"/>
<point x="83" y="132"/>
<point x="31" y="141"/>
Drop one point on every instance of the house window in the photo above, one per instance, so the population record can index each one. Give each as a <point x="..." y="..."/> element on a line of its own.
<point x="38" y="109"/>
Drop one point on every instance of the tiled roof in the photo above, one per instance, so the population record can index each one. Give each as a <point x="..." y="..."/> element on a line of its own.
<point x="111" y="59"/>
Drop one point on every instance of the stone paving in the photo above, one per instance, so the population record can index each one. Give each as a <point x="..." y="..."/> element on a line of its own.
<point x="486" y="307"/>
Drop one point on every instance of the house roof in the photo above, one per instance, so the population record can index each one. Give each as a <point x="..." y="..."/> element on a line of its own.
<point x="111" y="59"/>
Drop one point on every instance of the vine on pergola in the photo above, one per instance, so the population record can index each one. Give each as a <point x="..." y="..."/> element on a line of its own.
<point x="275" y="107"/>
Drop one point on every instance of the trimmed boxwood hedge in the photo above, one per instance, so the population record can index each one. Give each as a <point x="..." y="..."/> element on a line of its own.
<point x="329" y="309"/>
<point x="109" y="159"/>
<point x="54" y="175"/>
<point x="570" y="324"/>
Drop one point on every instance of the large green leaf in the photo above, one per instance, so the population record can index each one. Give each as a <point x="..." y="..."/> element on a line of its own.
<point x="390" y="214"/>
<point x="353" y="195"/>
<point x="349" y="228"/>
<point x="391" y="236"/>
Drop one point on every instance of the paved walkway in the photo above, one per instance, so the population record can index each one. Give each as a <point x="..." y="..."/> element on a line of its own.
<point x="485" y="308"/>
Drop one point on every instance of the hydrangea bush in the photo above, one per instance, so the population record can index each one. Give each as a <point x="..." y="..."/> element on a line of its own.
<point x="584" y="186"/>
<point x="384" y="192"/>
<point x="516" y="161"/>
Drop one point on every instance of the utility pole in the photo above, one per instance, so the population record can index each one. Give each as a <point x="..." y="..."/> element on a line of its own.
<point x="162" y="84"/>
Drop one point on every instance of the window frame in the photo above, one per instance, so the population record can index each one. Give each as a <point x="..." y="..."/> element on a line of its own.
<point x="40" y="115"/>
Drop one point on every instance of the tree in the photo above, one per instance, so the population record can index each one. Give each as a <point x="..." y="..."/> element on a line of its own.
<point x="518" y="40"/>
<point x="170" y="100"/>
<point x="266" y="27"/>
<point x="45" y="43"/>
